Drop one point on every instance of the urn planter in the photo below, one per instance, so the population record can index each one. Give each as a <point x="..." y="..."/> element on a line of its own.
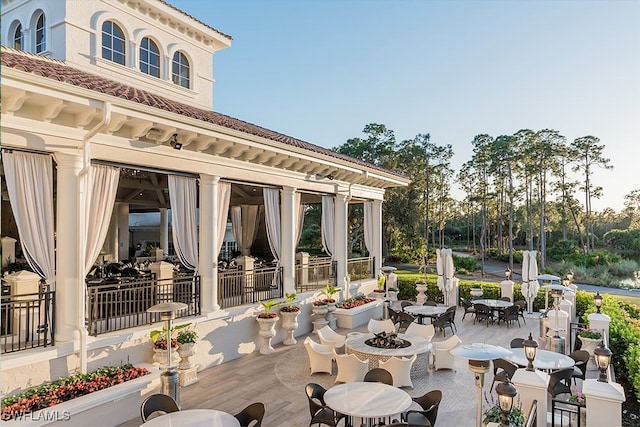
<point x="289" y="324"/>
<point x="160" y="357"/>
<point x="267" y="332"/>
<point x="186" y="352"/>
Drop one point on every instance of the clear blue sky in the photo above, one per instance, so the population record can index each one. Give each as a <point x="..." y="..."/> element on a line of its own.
<point x="321" y="70"/>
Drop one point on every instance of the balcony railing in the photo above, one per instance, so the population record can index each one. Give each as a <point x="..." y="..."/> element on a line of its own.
<point x="566" y="414"/>
<point x="26" y="320"/>
<point x="238" y="287"/>
<point x="319" y="272"/>
<point x="361" y="268"/>
<point x="122" y="305"/>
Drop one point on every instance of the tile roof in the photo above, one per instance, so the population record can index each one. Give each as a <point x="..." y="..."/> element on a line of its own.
<point x="58" y="70"/>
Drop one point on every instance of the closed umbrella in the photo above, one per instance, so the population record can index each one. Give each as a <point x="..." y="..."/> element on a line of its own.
<point x="440" y="269"/>
<point x="448" y="272"/>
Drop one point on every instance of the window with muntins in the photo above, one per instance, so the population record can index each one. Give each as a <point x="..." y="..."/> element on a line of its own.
<point x="149" y="57"/>
<point x="180" y="69"/>
<point x="113" y="43"/>
<point x="41" y="41"/>
<point x="17" y="37"/>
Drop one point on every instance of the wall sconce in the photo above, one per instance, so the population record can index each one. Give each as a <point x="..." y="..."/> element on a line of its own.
<point x="174" y="142"/>
<point x="603" y="357"/>
<point x="506" y="392"/>
<point x="597" y="299"/>
<point x="530" y="349"/>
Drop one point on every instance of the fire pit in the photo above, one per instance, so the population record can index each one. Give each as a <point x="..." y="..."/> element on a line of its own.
<point x="387" y="340"/>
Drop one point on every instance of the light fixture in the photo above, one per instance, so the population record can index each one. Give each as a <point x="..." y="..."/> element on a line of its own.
<point x="507" y="273"/>
<point x="329" y="177"/>
<point x="530" y="349"/>
<point x="565" y="281"/>
<point x="602" y="355"/>
<point x="174" y="142"/>
<point x="570" y="275"/>
<point x="506" y="392"/>
<point x="597" y="299"/>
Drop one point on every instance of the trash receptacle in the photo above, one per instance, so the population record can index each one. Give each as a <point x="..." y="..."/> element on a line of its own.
<point x="555" y="343"/>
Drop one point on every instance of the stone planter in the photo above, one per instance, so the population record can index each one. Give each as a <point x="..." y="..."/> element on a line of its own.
<point x="267" y="332"/>
<point x="319" y="314"/>
<point x="476" y="292"/>
<point x="289" y="324"/>
<point x="353" y="317"/>
<point x="421" y="297"/>
<point x="331" y="319"/>
<point x="393" y="295"/>
<point x="160" y="357"/>
<point x="186" y="352"/>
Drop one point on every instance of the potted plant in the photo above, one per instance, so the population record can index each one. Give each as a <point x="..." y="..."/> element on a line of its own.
<point x="392" y="293"/>
<point x="159" y="338"/>
<point x="590" y="339"/>
<point x="581" y="400"/>
<point x="380" y="290"/>
<point x="187" y="348"/>
<point x="290" y="314"/>
<point x="267" y="322"/>
<point x="494" y="414"/>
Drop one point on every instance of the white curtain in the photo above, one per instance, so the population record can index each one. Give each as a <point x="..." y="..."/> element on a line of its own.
<point x="183" y="197"/>
<point x="29" y="179"/>
<point x="101" y="186"/>
<point x="440" y="269"/>
<point x="224" y="195"/>
<point x="272" y="219"/>
<point x="244" y="222"/>
<point x="328" y="224"/>
<point x="368" y="226"/>
<point x="298" y="212"/>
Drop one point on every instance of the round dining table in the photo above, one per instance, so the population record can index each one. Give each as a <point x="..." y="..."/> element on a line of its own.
<point x="419" y="346"/>
<point x="425" y="310"/>
<point x="545" y="360"/>
<point x="367" y="400"/>
<point x="194" y="418"/>
<point x="494" y="303"/>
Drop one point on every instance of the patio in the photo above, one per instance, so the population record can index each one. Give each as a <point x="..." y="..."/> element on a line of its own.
<point x="278" y="380"/>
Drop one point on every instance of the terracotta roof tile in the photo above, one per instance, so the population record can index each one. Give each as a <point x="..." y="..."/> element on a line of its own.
<point x="58" y="70"/>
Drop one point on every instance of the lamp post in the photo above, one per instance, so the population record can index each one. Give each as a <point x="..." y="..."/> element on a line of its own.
<point x="603" y="357"/>
<point x="479" y="356"/>
<point x="506" y="392"/>
<point x="530" y="349"/>
<point x="597" y="299"/>
<point x="507" y="273"/>
<point x="169" y="379"/>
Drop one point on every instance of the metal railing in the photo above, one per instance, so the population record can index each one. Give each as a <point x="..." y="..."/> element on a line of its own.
<point x="123" y="305"/>
<point x="566" y="414"/>
<point x="26" y="320"/>
<point x="239" y="287"/>
<point x="361" y="268"/>
<point x="319" y="272"/>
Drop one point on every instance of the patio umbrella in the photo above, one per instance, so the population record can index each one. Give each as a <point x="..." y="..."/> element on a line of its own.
<point x="440" y="269"/>
<point x="448" y="272"/>
<point x="530" y="285"/>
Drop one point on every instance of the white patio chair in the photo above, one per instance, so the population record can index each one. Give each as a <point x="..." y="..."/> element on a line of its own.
<point x="423" y="331"/>
<point x="379" y="326"/>
<point x="444" y="359"/>
<point x="320" y="356"/>
<point x="350" y="368"/>
<point x="400" y="369"/>
<point x="330" y="337"/>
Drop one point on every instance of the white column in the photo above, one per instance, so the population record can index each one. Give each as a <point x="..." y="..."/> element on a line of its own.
<point x="68" y="249"/>
<point x="340" y="239"/>
<point x="164" y="230"/>
<point x="8" y="250"/>
<point x="532" y="385"/>
<point x="604" y="402"/>
<point x="287" y="239"/>
<point x="123" y="230"/>
<point x="377" y="236"/>
<point x="206" y="251"/>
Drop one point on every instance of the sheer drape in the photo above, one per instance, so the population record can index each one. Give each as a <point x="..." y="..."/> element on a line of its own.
<point x="244" y="222"/>
<point x="101" y="186"/>
<point x="368" y="226"/>
<point x="183" y="198"/>
<point x="328" y="224"/>
<point x="29" y="179"/>
<point x="299" y="214"/>
<point x="272" y="219"/>
<point x="224" y="195"/>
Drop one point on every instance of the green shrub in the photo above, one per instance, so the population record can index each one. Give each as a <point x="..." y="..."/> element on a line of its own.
<point x="468" y="264"/>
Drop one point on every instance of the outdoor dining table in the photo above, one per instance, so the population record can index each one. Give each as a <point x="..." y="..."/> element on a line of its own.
<point x="421" y="347"/>
<point x="194" y="418"/>
<point x="496" y="304"/>
<point x="422" y="311"/>
<point x="545" y="360"/>
<point x="367" y="400"/>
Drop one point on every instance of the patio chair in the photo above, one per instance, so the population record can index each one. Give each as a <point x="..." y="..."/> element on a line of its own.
<point x="400" y="369"/>
<point x="423" y="331"/>
<point x="331" y="338"/>
<point x="522" y="307"/>
<point x="441" y="349"/>
<point x="431" y="303"/>
<point x="559" y="382"/>
<point x="508" y="315"/>
<point x="483" y="312"/>
<point x="393" y="314"/>
<point x="320" y="356"/>
<point x="507" y="299"/>
<point x="502" y="369"/>
<point x="517" y="343"/>
<point x="253" y="412"/>
<point x="580" y="368"/>
<point x="404" y="304"/>
<point x="453" y="310"/>
<point x="157" y="405"/>
<point x="429" y="402"/>
<point x="444" y="321"/>
<point x="468" y="307"/>
<point x="379" y="375"/>
<point x="320" y="412"/>
<point x="350" y="368"/>
<point x="378" y="326"/>
<point x="404" y="321"/>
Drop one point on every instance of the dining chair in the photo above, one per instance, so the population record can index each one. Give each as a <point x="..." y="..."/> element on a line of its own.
<point x="468" y="307"/>
<point x="430" y="303"/>
<point x="522" y="307"/>
<point x="559" y="381"/>
<point x="157" y="405"/>
<point x="320" y="412"/>
<point x="429" y="402"/>
<point x="400" y="369"/>
<point x="444" y="321"/>
<point x="441" y="349"/>
<point x="404" y="304"/>
<point x="254" y="412"/>
<point x="320" y="356"/>
<point x="393" y="314"/>
<point x="502" y="369"/>
<point x="508" y="315"/>
<point x="378" y="326"/>
<point x="507" y="299"/>
<point x="350" y="368"/>
<point x="483" y="312"/>
<point x="403" y="321"/>
<point x="331" y="338"/>
<point x="453" y="310"/>
<point x="423" y="331"/>
<point x="581" y="358"/>
<point x="379" y="375"/>
<point x="517" y="343"/>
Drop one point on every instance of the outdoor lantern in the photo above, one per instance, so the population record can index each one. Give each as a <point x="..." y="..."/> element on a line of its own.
<point x="506" y="392"/>
<point x="565" y="281"/>
<point x="507" y="273"/>
<point x="597" y="299"/>
<point x="603" y="357"/>
<point x="530" y="348"/>
<point x="570" y="275"/>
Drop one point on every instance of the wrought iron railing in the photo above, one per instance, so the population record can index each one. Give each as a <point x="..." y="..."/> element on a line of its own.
<point x="239" y="287"/>
<point x="319" y="272"/>
<point x="566" y="414"/>
<point x="26" y="320"/>
<point x="361" y="268"/>
<point x="124" y="304"/>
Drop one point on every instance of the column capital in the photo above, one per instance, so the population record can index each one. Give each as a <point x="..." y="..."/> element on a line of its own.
<point x="209" y="179"/>
<point x="290" y="191"/>
<point x="65" y="160"/>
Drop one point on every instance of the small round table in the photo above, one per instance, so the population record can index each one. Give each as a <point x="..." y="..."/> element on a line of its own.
<point x="194" y="418"/>
<point x="545" y="360"/>
<point x="424" y="311"/>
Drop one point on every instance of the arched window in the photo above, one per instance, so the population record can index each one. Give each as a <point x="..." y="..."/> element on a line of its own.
<point x="17" y="37"/>
<point x="41" y="42"/>
<point x="149" y="57"/>
<point x="113" y="43"/>
<point x="180" y="69"/>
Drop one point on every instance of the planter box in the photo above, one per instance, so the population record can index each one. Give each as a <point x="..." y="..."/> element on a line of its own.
<point x="111" y="406"/>
<point x="354" y="317"/>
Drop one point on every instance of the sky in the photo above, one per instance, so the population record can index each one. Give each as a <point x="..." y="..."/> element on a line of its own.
<point x="321" y="70"/>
